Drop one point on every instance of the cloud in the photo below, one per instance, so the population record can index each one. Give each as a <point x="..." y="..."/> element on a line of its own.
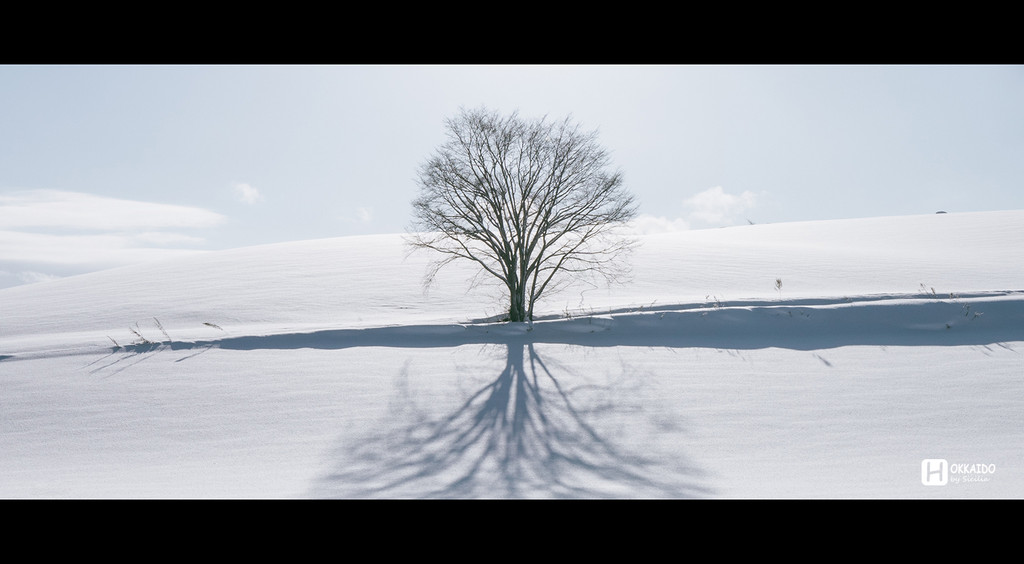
<point x="25" y="277"/>
<point x="246" y="193"/>
<point x="365" y="215"/>
<point x="43" y="232"/>
<point x="645" y="224"/>
<point x="166" y="238"/>
<point x="106" y="249"/>
<point x="715" y="207"/>
<point x="73" y="210"/>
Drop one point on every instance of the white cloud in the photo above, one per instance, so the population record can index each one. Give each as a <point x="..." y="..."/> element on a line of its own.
<point x="53" y="229"/>
<point x="10" y="278"/>
<point x="645" y="224"/>
<point x="30" y="277"/>
<point x="246" y="193"/>
<point x="74" y="210"/>
<point x="166" y="238"/>
<point x="715" y="207"/>
<point x="107" y="249"/>
<point x="365" y="215"/>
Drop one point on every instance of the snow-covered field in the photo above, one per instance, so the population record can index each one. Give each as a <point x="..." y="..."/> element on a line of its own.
<point x="322" y="369"/>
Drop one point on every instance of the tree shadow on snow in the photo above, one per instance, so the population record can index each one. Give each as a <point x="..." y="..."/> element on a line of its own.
<point x="797" y="326"/>
<point x="522" y="435"/>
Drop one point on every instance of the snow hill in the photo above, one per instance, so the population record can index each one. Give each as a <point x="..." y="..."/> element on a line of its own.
<point x="815" y="359"/>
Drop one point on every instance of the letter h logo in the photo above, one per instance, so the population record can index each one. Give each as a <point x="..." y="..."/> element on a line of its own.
<point x="934" y="472"/>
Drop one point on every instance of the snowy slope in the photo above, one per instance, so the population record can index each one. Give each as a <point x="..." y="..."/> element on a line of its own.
<point x="322" y="368"/>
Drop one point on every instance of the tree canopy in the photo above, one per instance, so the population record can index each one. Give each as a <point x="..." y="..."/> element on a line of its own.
<point x="532" y="202"/>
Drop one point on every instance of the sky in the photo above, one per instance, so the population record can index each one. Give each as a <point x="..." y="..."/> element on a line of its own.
<point x="103" y="166"/>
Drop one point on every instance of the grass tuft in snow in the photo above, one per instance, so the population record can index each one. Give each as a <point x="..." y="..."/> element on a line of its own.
<point x="161" y="327"/>
<point x="140" y="338"/>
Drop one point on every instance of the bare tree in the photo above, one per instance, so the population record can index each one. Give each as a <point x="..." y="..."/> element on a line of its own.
<point x="533" y="203"/>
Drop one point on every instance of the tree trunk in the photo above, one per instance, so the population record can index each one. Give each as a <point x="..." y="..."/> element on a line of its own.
<point x="517" y="305"/>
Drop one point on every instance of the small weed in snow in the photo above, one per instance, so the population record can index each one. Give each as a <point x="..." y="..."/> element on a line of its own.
<point x="140" y="339"/>
<point x="965" y="307"/>
<point x="137" y="331"/>
<point x="161" y="327"/>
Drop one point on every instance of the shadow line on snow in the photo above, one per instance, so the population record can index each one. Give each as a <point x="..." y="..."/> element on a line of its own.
<point x="896" y="323"/>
